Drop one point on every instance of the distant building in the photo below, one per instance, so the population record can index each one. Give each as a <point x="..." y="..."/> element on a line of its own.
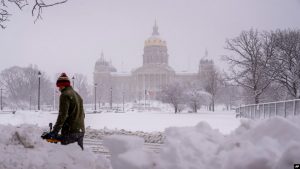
<point x="145" y="81"/>
<point x="205" y="64"/>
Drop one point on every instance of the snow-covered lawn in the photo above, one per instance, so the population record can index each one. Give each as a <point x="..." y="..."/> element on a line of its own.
<point x="224" y="121"/>
<point x="159" y="121"/>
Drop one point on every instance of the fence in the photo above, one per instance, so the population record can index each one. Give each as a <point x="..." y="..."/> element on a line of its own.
<point x="265" y="110"/>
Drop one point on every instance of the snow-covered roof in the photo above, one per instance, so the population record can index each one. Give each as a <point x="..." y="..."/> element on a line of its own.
<point x="121" y="73"/>
<point x="154" y="68"/>
<point x="186" y="73"/>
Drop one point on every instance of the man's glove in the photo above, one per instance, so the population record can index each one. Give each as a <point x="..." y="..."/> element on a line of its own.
<point x="53" y="134"/>
<point x="50" y="135"/>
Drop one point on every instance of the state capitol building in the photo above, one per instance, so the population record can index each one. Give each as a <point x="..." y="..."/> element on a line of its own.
<point x="144" y="81"/>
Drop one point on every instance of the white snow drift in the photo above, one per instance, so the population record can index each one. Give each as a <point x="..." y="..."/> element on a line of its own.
<point x="267" y="144"/>
<point x="22" y="148"/>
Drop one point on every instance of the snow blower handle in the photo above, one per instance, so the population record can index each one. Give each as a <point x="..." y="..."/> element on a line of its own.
<point x="50" y="137"/>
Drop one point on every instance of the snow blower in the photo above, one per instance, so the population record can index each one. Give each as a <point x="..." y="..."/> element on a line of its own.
<point x="49" y="138"/>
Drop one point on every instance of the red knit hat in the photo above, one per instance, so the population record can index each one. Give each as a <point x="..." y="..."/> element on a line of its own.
<point x="63" y="80"/>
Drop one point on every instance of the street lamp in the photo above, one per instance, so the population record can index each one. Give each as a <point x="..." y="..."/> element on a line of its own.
<point x="95" y="95"/>
<point x="39" y="89"/>
<point x="99" y="97"/>
<point x="73" y="82"/>
<point x="30" y="102"/>
<point x="1" y="100"/>
<point x="110" y="97"/>
<point x="123" y="99"/>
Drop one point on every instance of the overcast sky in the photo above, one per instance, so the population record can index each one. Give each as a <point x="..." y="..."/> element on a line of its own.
<point x="71" y="36"/>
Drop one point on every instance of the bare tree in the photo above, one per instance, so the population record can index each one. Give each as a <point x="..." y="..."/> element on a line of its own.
<point x="228" y="93"/>
<point x="287" y="61"/>
<point x="210" y="81"/>
<point x="37" y="8"/>
<point x="21" y="85"/>
<point x="275" y="92"/>
<point x="196" y="96"/>
<point x="253" y="52"/>
<point x="173" y="94"/>
<point x="81" y="84"/>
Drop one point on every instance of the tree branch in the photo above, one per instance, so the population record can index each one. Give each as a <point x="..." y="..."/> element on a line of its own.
<point x="3" y="17"/>
<point x="37" y="8"/>
<point x="3" y="3"/>
<point x="19" y="3"/>
<point x="39" y="5"/>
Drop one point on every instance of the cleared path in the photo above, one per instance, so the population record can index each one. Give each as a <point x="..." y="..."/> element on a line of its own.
<point x="97" y="147"/>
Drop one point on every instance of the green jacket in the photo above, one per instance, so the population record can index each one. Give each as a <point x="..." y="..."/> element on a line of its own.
<point x="71" y="114"/>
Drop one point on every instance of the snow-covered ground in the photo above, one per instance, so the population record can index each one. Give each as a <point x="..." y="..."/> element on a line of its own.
<point x="149" y="122"/>
<point x="145" y="121"/>
<point x="196" y="141"/>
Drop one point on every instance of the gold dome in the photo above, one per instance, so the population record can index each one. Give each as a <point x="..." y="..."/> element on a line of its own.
<point x="155" y="39"/>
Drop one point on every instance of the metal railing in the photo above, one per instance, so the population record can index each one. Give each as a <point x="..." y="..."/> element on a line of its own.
<point x="265" y="110"/>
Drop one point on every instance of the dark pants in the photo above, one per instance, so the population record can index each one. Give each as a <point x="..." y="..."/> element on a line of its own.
<point x="72" y="138"/>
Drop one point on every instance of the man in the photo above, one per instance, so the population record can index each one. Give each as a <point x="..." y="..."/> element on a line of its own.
<point x="71" y="115"/>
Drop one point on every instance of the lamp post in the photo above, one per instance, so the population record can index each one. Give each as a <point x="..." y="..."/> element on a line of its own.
<point x="73" y="82"/>
<point x="123" y="99"/>
<point x="30" y="102"/>
<point x="95" y="89"/>
<point x="110" y="97"/>
<point x="1" y="100"/>
<point x="145" y="92"/>
<point x="99" y="97"/>
<point x="39" y="89"/>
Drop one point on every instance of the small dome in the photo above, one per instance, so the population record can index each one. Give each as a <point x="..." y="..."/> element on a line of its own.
<point x="104" y="66"/>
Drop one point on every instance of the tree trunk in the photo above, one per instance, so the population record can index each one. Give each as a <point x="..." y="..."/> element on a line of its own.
<point x="256" y="99"/>
<point x="296" y="91"/>
<point x="176" y="108"/>
<point x="213" y="105"/>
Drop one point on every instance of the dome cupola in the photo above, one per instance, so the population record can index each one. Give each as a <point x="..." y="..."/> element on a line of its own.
<point x="155" y="39"/>
<point x="104" y="66"/>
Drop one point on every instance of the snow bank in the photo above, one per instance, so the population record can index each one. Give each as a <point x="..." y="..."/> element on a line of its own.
<point x="149" y="137"/>
<point x="266" y="144"/>
<point x="127" y="152"/>
<point x="22" y="147"/>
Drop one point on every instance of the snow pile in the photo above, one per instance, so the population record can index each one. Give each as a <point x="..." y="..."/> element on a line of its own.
<point x="127" y="152"/>
<point x="22" y="147"/>
<point x="266" y="144"/>
<point x="149" y="137"/>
